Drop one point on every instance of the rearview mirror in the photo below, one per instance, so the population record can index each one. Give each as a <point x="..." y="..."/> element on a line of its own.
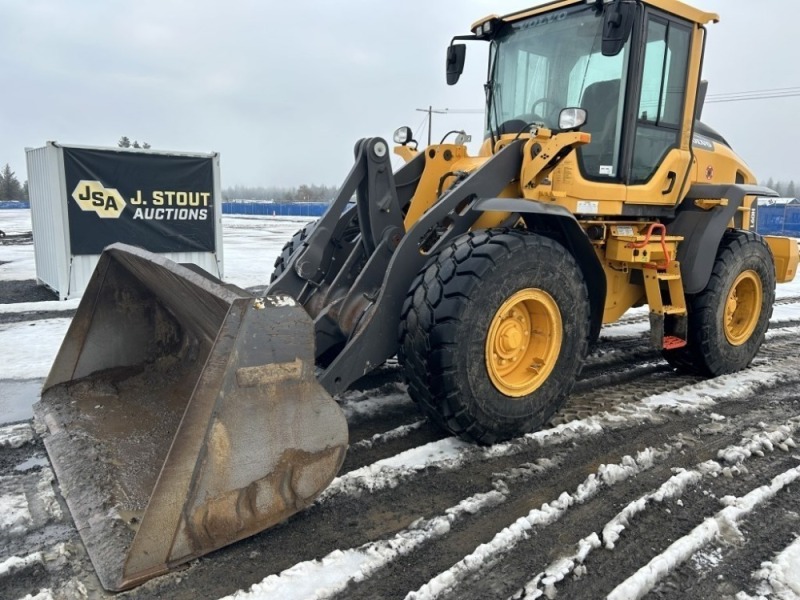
<point x="456" y="53"/>
<point x="617" y="25"/>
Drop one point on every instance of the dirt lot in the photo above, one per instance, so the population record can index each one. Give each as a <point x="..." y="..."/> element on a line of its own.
<point x="573" y="511"/>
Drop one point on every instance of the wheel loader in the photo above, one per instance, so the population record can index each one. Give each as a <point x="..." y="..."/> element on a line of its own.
<point x="184" y="414"/>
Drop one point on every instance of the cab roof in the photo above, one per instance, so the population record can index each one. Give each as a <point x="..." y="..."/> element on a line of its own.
<point x="675" y="7"/>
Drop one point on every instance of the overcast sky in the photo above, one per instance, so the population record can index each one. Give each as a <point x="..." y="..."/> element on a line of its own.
<point x="284" y="89"/>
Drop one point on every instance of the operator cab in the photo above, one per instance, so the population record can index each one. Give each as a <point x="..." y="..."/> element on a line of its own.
<point x="638" y="103"/>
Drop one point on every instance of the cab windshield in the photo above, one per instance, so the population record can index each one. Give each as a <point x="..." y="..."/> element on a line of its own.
<point x="548" y="62"/>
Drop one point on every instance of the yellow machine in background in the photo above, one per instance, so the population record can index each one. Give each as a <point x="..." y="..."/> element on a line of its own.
<point x="184" y="414"/>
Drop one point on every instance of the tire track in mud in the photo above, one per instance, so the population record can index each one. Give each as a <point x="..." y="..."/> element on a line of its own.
<point x="472" y="469"/>
<point x="615" y="356"/>
<point x="621" y="379"/>
<point x="725" y="568"/>
<point x="661" y="523"/>
<point x="351" y="519"/>
<point x="544" y="546"/>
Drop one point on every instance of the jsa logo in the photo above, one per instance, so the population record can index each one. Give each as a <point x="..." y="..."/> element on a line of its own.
<point x="92" y="196"/>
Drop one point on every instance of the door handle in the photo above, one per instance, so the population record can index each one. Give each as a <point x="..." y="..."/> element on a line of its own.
<point x="673" y="177"/>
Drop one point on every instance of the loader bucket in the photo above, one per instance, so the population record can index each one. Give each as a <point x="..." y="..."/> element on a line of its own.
<point x="183" y="414"/>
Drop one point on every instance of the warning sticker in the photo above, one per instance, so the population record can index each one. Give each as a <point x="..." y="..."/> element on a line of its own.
<point x="588" y="207"/>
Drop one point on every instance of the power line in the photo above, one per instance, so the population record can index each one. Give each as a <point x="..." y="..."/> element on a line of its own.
<point x="443" y="111"/>
<point x="420" y="126"/>
<point x="787" y="89"/>
<point x="755" y="95"/>
<point x="768" y="94"/>
<point x="430" y="110"/>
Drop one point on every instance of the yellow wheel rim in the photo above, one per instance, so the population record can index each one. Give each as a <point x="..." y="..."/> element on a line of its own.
<point x="524" y="341"/>
<point x="743" y="308"/>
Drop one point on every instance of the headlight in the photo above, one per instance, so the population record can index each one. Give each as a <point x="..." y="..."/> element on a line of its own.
<point x="402" y="135"/>
<point x="571" y="118"/>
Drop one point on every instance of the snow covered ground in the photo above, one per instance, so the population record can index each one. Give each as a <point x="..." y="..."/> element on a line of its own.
<point x="251" y="245"/>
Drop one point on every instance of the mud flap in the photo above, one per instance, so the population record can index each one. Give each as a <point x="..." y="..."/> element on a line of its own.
<point x="183" y="415"/>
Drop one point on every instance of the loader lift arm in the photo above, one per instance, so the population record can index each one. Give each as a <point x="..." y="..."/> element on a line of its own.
<point x="360" y="313"/>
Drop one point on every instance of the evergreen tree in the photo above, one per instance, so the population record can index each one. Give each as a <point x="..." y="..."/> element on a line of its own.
<point x="125" y="142"/>
<point x="790" y="191"/>
<point x="10" y="188"/>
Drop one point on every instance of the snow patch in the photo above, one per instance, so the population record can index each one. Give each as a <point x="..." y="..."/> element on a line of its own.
<point x="15" y="515"/>
<point x="779" y="576"/>
<point x="704" y="561"/>
<point x="761" y="442"/>
<point x="47" y="305"/>
<point x="279" y="301"/>
<point x="451" y="453"/>
<point x="725" y="387"/>
<point x="387" y="473"/>
<point x="677" y="484"/>
<point x="387" y="436"/>
<point x="46" y="497"/>
<point x="558" y="570"/>
<point x="672" y="488"/>
<point x="788" y="332"/>
<point x="32" y="463"/>
<point x="782" y="313"/>
<point x="13" y="564"/>
<point x="35" y="344"/>
<point x="357" y="405"/>
<point x="15" y="436"/>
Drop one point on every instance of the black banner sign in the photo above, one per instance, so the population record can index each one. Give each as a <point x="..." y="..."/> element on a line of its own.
<point x="158" y="202"/>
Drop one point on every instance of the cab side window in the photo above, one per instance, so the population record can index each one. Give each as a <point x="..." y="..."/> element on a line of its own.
<point x="597" y="83"/>
<point x="661" y="102"/>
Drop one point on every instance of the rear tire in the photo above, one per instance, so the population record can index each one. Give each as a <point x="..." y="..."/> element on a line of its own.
<point x="289" y="248"/>
<point x="469" y="362"/>
<point x="728" y="319"/>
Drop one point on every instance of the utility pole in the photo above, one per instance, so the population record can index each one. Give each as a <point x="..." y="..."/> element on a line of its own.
<point x="430" y="110"/>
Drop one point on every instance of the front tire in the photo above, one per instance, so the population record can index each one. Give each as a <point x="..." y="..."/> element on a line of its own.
<point x="728" y="319"/>
<point x="494" y="333"/>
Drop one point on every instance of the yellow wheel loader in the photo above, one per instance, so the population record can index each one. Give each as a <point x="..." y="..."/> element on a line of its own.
<point x="185" y="414"/>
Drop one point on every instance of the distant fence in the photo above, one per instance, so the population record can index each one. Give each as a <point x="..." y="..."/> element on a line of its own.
<point x="283" y="209"/>
<point x="14" y="204"/>
<point x="779" y="219"/>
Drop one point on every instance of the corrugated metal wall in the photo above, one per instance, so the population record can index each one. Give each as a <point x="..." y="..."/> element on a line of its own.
<point x="48" y="217"/>
<point x="56" y="268"/>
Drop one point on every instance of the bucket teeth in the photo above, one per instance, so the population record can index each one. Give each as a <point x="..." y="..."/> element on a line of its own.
<point x="183" y="415"/>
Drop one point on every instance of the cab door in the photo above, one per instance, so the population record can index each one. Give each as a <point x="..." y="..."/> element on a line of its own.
<point x="658" y="152"/>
